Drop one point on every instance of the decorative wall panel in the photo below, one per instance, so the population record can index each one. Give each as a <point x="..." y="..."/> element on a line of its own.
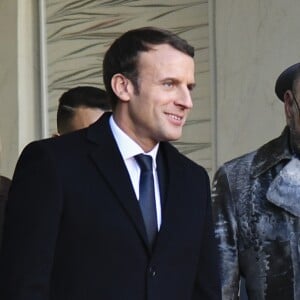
<point x="79" y="32"/>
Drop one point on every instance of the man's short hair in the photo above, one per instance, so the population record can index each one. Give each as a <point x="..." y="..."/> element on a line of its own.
<point x="81" y="96"/>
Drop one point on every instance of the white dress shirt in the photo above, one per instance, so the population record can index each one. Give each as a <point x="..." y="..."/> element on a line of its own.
<point x="129" y="148"/>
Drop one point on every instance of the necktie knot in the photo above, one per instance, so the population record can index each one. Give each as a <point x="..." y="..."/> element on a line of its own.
<point x="144" y="161"/>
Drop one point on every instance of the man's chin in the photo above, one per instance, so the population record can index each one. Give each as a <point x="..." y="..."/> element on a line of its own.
<point x="174" y="137"/>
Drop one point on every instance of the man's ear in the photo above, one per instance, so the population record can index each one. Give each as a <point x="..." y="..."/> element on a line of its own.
<point x="121" y="86"/>
<point x="288" y="104"/>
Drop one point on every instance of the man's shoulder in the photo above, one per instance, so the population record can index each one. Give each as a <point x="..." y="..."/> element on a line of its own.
<point x="243" y="160"/>
<point x="181" y="159"/>
<point x="261" y="158"/>
<point x="60" y="141"/>
<point x="58" y="148"/>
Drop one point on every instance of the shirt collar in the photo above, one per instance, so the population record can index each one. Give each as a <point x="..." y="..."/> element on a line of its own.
<point x="127" y="146"/>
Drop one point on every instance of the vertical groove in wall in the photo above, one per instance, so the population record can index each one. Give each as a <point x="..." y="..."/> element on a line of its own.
<point x="43" y="69"/>
<point x="213" y="79"/>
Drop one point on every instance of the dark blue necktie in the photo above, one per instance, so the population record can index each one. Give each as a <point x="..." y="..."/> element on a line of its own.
<point x="147" y="195"/>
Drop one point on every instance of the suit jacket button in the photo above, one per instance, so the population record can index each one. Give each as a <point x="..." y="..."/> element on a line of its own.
<point x="152" y="271"/>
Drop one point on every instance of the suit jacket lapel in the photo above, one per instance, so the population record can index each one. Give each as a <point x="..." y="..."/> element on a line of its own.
<point x="171" y="190"/>
<point x="110" y="164"/>
<point x="162" y="175"/>
<point x="171" y="177"/>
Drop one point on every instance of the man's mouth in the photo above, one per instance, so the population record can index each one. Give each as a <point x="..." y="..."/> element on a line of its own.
<point x="175" y="117"/>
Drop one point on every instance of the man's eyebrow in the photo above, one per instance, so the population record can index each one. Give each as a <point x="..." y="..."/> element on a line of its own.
<point x="170" y="78"/>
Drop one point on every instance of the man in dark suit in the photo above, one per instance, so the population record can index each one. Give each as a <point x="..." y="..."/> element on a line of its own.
<point x="81" y="223"/>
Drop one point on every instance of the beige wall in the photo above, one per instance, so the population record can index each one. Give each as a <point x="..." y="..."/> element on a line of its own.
<point x="28" y="72"/>
<point x="19" y="79"/>
<point x="8" y="85"/>
<point x="255" y="41"/>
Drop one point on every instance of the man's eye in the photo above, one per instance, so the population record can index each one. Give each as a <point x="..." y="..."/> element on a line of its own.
<point x="168" y="84"/>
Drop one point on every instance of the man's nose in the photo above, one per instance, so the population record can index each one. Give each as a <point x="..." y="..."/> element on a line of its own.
<point x="185" y="99"/>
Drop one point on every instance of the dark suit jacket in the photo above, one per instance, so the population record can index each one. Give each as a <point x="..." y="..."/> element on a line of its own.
<point x="74" y="229"/>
